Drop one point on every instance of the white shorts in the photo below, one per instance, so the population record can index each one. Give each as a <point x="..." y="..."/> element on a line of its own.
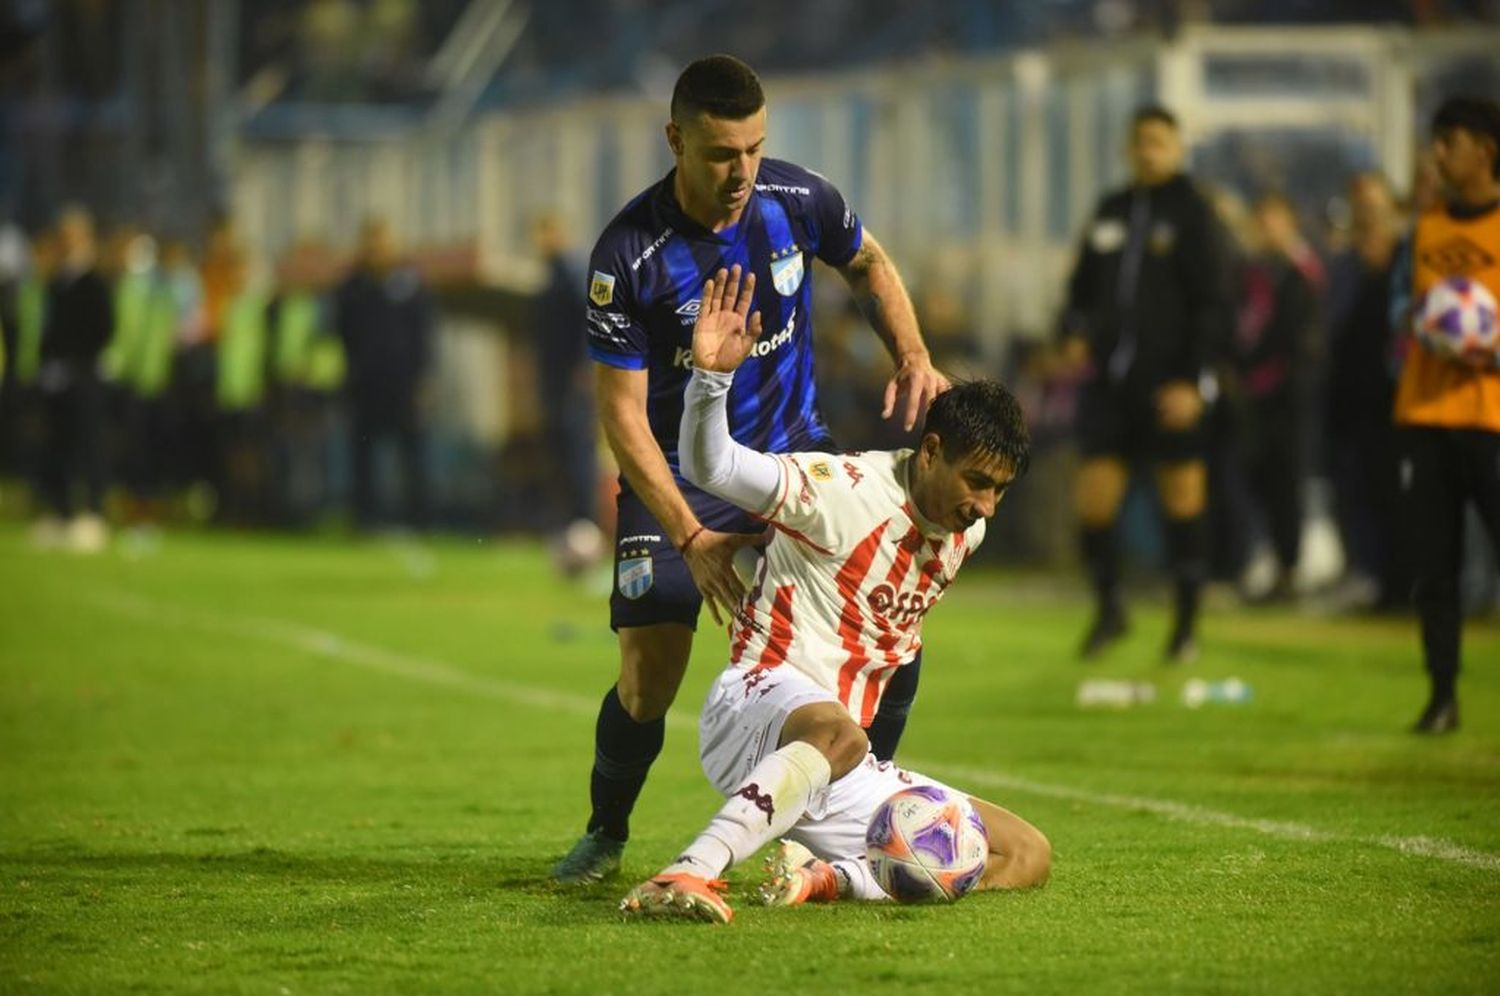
<point x="741" y="723"/>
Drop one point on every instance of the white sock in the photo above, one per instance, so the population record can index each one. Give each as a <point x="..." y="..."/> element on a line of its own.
<point x="770" y="801"/>
<point x="856" y="880"/>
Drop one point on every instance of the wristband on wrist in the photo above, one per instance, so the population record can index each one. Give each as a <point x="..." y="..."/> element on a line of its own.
<point x="689" y="541"/>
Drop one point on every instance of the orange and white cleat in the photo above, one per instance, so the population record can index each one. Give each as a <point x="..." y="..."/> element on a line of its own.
<point x="794" y="877"/>
<point x="682" y="895"/>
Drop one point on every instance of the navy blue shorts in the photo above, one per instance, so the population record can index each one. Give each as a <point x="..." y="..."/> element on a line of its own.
<point x="652" y="582"/>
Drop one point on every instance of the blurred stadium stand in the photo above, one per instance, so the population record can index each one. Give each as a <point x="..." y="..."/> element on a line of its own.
<point x="973" y="136"/>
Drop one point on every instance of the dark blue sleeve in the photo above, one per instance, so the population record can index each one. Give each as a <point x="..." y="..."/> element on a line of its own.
<point x="839" y="232"/>
<point x="616" y="330"/>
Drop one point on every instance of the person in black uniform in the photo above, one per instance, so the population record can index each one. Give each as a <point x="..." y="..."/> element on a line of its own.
<point x="567" y="377"/>
<point x="385" y="318"/>
<point x="1273" y="362"/>
<point x="79" y="323"/>
<point x="1147" y="309"/>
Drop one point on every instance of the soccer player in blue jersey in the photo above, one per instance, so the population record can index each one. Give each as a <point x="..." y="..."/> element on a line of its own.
<point x="722" y="205"/>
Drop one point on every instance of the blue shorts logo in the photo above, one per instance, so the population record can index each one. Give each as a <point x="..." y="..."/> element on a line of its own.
<point x="633" y="576"/>
<point x="786" y="271"/>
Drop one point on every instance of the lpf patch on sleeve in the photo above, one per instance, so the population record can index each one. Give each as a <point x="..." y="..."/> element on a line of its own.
<point x="820" y="471"/>
<point x="1107" y="235"/>
<point x="602" y="288"/>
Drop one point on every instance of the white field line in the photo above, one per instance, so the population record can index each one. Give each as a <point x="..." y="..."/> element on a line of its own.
<point x="330" y="645"/>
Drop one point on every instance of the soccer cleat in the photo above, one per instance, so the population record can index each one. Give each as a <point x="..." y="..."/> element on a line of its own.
<point x="593" y="858"/>
<point x="1183" y="648"/>
<point x="1109" y="626"/>
<point x="794" y="877"/>
<point x="1440" y="716"/>
<point x="679" y="894"/>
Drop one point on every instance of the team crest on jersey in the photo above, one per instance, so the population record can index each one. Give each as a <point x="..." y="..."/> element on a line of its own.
<point x="602" y="289"/>
<point x="820" y="471"/>
<point x="786" y="270"/>
<point x="633" y="576"/>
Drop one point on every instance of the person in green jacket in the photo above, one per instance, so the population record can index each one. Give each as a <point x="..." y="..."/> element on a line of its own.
<point x="22" y="315"/>
<point x="307" y="365"/>
<point x="140" y="360"/>
<point x="240" y="393"/>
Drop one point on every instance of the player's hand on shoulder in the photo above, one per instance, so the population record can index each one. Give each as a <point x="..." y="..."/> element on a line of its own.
<point x="709" y="556"/>
<point x="725" y="331"/>
<point x="919" y="382"/>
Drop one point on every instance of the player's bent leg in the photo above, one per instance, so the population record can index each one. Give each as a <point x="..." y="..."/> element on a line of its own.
<point x="1020" y="854"/>
<point x="1183" y="489"/>
<point x="628" y="736"/>
<point x="828" y="727"/>
<point x="889" y="723"/>
<point x="1100" y="489"/>
<point x="818" y="743"/>
<point x="653" y="660"/>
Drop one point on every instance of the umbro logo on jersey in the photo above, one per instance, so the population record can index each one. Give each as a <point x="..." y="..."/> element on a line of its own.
<point x="689" y="311"/>
<point x="1458" y="256"/>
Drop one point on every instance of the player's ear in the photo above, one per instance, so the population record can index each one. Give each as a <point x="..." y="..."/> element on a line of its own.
<point x="674" y="138"/>
<point x="930" y="447"/>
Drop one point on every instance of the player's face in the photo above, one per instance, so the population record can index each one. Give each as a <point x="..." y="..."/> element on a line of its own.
<point x="717" y="159"/>
<point x="1155" y="152"/>
<point x="961" y="492"/>
<point x="1460" y="156"/>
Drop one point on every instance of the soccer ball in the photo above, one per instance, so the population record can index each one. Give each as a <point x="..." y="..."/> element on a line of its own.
<point x="927" y="844"/>
<point x="1457" y="319"/>
<point x="577" y="548"/>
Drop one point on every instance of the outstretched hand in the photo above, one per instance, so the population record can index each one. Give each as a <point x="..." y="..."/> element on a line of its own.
<point x="725" y="331"/>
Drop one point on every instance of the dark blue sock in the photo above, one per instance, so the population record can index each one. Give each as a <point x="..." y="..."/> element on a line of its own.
<point x="890" y="720"/>
<point x="623" y="752"/>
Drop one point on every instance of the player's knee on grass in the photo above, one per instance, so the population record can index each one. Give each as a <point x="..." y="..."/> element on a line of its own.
<point x="1020" y="854"/>
<point x="827" y="726"/>
<point x="1183" y="488"/>
<point x="653" y="660"/>
<point x="1031" y="861"/>
<point x="1100" y="489"/>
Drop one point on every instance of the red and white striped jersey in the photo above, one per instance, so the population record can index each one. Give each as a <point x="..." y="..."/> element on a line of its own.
<point x="847" y="577"/>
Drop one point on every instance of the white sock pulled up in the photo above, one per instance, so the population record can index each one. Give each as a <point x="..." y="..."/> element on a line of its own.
<point x="767" y="804"/>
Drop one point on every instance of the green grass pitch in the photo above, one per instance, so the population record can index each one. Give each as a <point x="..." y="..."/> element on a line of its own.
<point x="281" y="766"/>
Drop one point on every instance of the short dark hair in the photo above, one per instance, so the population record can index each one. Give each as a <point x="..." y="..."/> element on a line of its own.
<point x="720" y="86"/>
<point x="1153" y="112"/>
<point x="980" y="416"/>
<point x="1477" y="115"/>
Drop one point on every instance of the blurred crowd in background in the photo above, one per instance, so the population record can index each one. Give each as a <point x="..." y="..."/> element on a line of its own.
<point x="187" y="385"/>
<point x="179" y="374"/>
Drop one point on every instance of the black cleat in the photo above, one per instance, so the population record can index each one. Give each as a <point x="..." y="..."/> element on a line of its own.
<point x="1109" y="626"/>
<point x="595" y="857"/>
<point x="1182" y="648"/>
<point x="1440" y="716"/>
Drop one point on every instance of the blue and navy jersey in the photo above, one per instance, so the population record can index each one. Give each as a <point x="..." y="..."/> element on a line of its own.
<point x="646" y="277"/>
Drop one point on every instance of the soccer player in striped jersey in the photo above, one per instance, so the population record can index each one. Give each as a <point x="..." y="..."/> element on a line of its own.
<point x="722" y="205"/>
<point x="863" y="546"/>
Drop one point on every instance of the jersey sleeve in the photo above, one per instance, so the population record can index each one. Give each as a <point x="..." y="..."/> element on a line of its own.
<point x="616" y="332"/>
<point x="840" y="233"/>
<point x="816" y="498"/>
